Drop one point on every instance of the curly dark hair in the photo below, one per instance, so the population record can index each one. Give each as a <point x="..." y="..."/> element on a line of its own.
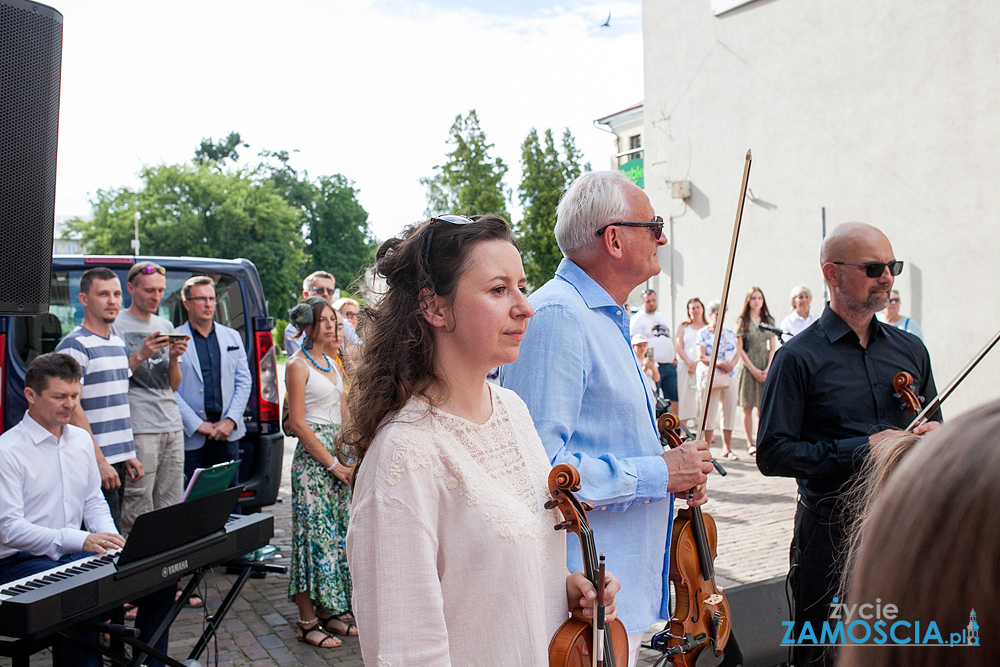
<point x="397" y="361"/>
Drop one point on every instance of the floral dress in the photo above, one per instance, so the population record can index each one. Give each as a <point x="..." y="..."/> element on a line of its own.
<point x="320" y="506"/>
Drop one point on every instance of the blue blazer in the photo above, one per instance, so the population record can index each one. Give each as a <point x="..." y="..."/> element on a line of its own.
<point x="236" y="385"/>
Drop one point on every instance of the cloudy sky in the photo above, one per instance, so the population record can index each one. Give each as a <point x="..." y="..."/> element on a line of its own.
<point x="366" y="88"/>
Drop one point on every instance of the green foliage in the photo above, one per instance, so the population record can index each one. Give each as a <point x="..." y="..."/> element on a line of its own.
<point x="272" y="214"/>
<point x="196" y="211"/>
<point x="545" y="177"/>
<point x="219" y="152"/>
<point x="470" y="182"/>
<point x="278" y="332"/>
<point x="333" y="221"/>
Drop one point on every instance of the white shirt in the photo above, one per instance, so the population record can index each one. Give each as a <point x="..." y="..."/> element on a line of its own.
<point x="795" y="323"/>
<point x="659" y="340"/>
<point x="453" y="556"/>
<point x="47" y="488"/>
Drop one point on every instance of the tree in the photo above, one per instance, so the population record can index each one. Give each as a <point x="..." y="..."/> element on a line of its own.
<point x="470" y="181"/>
<point x="194" y="210"/>
<point x="333" y="222"/>
<point x="545" y="177"/>
<point x="218" y="152"/>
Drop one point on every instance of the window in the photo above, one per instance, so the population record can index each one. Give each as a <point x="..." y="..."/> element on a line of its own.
<point x="39" y="334"/>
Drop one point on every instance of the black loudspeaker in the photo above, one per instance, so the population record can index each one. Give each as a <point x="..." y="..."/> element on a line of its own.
<point x="30" y="68"/>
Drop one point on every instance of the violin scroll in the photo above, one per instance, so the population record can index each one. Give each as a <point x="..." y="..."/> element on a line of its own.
<point x="909" y="401"/>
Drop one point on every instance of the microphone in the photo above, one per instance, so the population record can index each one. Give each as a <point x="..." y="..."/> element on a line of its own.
<point x="773" y="329"/>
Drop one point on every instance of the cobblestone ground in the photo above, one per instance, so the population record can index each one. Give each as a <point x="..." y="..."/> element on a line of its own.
<point x="753" y="513"/>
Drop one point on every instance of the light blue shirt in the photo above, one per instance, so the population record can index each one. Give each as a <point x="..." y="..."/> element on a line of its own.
<point x="585" y="391"/>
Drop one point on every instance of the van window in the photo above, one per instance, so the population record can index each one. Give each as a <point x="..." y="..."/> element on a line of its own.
<point x="38" y="334"/>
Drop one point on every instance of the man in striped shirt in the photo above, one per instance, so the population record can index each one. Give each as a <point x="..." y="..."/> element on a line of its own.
<point x="103" y="409"/>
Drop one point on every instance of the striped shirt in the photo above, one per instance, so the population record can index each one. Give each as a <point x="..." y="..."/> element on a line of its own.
<point x="104" y="397"/>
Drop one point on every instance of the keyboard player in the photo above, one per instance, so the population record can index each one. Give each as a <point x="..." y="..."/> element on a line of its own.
<point x="50" y="486"/>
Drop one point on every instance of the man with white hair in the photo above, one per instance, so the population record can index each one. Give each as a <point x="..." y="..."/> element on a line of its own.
<point x="585" y="390"/>
<point x="828" y="400"/>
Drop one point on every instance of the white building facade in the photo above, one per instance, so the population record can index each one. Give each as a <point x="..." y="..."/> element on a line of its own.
<point x="883" y="112"/>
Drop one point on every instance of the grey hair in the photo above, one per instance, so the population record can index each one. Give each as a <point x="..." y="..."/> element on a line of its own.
<point x="593" y="200"/>
<point x="713" y="306"/>
<point x="797" y="290"/>
<point x="307" y="283"/>
<point x="192" y="281"/>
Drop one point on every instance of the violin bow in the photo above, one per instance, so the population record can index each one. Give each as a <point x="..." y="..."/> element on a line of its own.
<point x="599" y="615"/>
<point x="725" y="294"/>
<point x="936" y="402"/>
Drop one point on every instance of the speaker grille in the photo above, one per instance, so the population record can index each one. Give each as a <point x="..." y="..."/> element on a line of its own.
<point x="30" y="62"/>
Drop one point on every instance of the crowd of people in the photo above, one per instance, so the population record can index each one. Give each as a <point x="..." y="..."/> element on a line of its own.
<point x="419" y="488"/>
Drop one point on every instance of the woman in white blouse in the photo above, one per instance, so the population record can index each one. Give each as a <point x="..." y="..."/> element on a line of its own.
<point x="687" y="339"/>
<point x="453" y="555"/>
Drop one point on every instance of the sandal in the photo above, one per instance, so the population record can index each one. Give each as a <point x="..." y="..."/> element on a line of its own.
<point x="347" y="626"/>
<point x="313" y="633"/>
<point x="752" y="450"/>
<point x="731" y="455"/>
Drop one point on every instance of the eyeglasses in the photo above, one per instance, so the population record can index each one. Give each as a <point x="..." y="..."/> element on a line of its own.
<point x="893" y="299"/>
<point x="875" y="269"/>
<point x="351" y="316"/>
<point x="447" y="219"/>
<point x="323" y="290"/>
<point x="656" y="225"/>
<point x="201" y="299"/>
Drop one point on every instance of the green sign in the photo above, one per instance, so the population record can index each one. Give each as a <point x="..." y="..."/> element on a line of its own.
<point x="633" y="169"/>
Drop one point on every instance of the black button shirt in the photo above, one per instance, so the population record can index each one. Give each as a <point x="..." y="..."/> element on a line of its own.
<point x="210" y="359"/>
<point x="825" y="394"/>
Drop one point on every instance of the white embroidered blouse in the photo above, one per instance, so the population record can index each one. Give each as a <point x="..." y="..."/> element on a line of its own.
<point x="453" y="556"/>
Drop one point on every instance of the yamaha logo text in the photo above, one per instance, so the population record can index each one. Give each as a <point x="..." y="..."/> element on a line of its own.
<point x="174" y="569"/>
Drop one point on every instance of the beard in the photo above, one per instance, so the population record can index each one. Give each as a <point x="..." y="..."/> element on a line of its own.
<point x="877" y="300"/>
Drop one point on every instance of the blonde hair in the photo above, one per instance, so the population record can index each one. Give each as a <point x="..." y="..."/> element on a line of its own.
<point x="931" y="545"/>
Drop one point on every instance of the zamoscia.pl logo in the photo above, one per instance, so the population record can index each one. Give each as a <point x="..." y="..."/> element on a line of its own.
<point x="876" y="624"/>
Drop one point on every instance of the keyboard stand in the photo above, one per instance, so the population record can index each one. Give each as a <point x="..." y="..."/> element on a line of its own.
<point x="21" y="650"/>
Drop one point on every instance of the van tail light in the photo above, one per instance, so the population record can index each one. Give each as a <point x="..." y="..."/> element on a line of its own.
<point x="268" y="409"/>
<point x="3" y="380"/>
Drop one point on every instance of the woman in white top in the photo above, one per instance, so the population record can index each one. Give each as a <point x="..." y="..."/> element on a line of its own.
<point x="687" y="337"/>
<point x="892" y="317"/>
<point x="319" y="580"/>
<point x="800" y="317"/>
<point x="453" y="555"/>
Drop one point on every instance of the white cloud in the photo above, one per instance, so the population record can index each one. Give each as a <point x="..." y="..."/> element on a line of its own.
<point x="365" y="89"/>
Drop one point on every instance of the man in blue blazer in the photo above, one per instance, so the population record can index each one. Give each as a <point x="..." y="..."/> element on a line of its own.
<point x="215" y="384"/>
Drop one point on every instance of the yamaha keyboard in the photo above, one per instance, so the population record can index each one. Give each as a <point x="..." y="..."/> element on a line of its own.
<point x="49" y="601"/>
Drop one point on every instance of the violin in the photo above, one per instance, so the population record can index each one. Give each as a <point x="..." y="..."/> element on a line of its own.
<point x="573" y="644"/>
<point x="909" y="401"/>
<point x="701" y="617"/>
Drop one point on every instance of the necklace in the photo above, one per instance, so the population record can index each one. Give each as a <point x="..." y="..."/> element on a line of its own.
<point x="329" y="364"/>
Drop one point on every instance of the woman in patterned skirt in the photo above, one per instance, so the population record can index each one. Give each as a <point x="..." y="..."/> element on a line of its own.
<point x="452" y="551"/>
<point x="756" y="349"/>
<point x="319" y="581"/>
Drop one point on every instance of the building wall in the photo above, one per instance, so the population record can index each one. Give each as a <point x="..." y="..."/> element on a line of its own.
<point x="884" y="112"/>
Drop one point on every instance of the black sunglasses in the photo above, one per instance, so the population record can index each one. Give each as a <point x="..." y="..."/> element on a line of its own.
<point x="875" y="269"/>
<point x="656" y="225"/>
<point x="448" y="220"/>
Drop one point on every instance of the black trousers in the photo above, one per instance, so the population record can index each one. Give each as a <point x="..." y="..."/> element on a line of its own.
<point x="817" y="545"/>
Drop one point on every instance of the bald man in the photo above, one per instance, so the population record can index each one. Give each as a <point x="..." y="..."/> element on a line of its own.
<point x="828" y="401"/>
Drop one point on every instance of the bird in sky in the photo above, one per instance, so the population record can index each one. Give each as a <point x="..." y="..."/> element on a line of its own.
<point x="607" y="24"/>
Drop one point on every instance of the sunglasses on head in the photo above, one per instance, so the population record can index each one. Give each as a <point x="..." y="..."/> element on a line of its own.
<point x="148" y="270"/>
<point x="656" y="225"/>
<point x="876" y="269"/>
<point x="448" y="220"/>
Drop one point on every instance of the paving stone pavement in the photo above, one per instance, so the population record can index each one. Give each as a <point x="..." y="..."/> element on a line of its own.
<point x="753" y="514"/>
